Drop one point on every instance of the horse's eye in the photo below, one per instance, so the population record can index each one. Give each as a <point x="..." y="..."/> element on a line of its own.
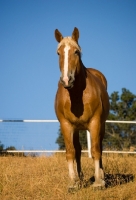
<point x="76" y="52"/>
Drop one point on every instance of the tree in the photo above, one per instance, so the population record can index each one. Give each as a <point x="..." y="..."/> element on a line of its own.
<point x="60" y="140"/>
<point x="4" y="151"/>
<point x="117" y="136"/>
<point x="1" y="146"/>
<point x="122" y="107"/>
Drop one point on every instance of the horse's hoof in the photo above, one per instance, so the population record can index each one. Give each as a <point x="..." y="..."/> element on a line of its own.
<point x="99" y="184"/>
<point x="74" y="188"/>
<point x="85" y="184"/>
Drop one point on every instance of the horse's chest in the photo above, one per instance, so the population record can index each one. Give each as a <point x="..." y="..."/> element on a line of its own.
<point x="76" y="112"/>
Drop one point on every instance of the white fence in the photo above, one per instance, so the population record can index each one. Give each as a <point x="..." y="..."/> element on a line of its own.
<point x="54" y="151"/>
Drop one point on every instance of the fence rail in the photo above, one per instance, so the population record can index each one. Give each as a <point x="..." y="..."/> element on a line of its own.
<point x="55" y="120"/>
<point x="28" y="120"/>
<point x="56" y="151"/>
<point x="62" y="151"/>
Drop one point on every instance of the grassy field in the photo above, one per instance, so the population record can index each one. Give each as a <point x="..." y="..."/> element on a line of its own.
<point x="46" y="178"/>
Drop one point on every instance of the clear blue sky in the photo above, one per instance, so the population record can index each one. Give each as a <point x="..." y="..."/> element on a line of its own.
<point x="29" y="69"/>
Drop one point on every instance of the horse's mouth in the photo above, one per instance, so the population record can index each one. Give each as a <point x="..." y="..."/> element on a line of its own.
<point x="68" y="87"/>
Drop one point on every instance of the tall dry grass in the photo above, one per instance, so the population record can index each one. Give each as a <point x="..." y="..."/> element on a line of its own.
<point x="46" y="178"/>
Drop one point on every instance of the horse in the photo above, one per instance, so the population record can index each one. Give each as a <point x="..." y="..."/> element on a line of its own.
<point x="81" y="103"/>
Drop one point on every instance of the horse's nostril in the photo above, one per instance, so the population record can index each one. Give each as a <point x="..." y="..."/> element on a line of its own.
<point x="71" y="79"/>
<point x="61" y="80"/>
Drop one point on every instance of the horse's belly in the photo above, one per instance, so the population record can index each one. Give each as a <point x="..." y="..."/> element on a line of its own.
<point x="78" y="123"/>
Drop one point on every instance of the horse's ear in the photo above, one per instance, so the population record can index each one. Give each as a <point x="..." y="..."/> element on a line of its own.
<point x="58" y="35"/>
<point x="75" y="34"/>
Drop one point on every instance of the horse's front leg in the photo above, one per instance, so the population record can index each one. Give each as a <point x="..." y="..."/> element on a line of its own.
<point x="97" y="133"/>
<point x="68" y="132"/>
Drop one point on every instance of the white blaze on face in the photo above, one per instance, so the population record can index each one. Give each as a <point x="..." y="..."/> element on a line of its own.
<point x="65" y="78"/>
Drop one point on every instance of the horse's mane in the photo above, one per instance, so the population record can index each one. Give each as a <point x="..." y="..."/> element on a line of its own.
<point x="69" y="41"/>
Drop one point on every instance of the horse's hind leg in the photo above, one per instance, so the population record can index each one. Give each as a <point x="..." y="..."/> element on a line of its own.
<point x="78" y="148"/>
<point x="102" y="132"/>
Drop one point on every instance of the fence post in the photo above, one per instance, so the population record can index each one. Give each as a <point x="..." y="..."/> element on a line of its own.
<point x="89" y="144"/>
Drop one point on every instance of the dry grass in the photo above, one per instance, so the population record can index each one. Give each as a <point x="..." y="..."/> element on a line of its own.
<point x="46" y="178"/>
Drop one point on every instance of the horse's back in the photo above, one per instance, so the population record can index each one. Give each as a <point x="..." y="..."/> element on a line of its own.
<point x="99" y="82"/>
<point x="99" y="75"/>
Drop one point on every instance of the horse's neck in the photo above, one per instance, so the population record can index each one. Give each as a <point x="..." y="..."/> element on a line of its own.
<point x="80" y="79"/>
<point x="76" y="93"/>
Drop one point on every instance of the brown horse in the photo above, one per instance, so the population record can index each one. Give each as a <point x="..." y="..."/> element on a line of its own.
<point x="81" y="103"/>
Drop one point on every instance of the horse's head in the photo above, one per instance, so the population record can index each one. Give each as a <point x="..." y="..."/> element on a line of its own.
<point x="69" y="57"/>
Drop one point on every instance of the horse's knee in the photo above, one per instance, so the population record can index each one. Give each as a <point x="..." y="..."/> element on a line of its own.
<point x="96" y="152"/>
<point x="70" y="155"/>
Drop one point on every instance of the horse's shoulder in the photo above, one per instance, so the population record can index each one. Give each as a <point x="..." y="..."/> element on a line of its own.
<point x="99" y="75"/>
<point x="62" y="93"/>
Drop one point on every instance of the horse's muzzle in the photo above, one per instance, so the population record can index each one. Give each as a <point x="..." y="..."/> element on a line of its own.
<point x="67" y="83"/>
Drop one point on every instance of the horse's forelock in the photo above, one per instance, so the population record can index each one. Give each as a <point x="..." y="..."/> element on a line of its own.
<point x="69" y="41"/>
